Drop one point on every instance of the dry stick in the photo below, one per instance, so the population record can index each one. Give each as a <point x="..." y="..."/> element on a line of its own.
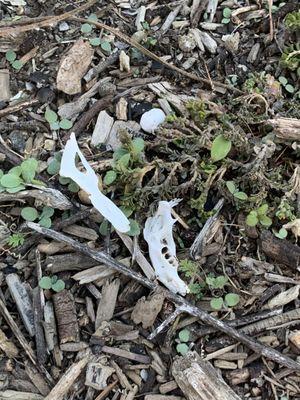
<point x="184" y="305"/>
<point x="45" y="22"/>
<point x="17" y="332"/>
<point x="153" y="56"/>
<point x="18" y="107"/>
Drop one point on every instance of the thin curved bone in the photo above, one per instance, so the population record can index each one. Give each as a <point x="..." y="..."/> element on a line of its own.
<point x="88" y="181"/>
<point x="162" y="249"/>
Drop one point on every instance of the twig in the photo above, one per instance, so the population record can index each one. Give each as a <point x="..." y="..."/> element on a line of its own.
<point x="256" y="346"/>
<point x="106" y="391"/>
<point x="166" y="322"/>
<point x="18" y="107"/>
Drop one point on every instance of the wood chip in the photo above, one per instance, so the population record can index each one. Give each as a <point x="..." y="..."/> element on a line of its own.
<point x="102" y="128"/>
<point x="66" y="317"/>
<point x="7" y="346"/>
<point x="81" y="231"/>
<point x="24" y="305"/>
<point x="126" y="354"/>
<point x="199" y="380"/>
<point x="14" y="395"/>
<point x="5" y="93"/>
<point x="146" y="311"/>
<point x="97" y="375"/>
<point x="107" y="303"/>
<point x="73" y="67"/>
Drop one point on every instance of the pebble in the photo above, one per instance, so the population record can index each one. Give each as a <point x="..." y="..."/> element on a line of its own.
<point x="152" y="119"/>
<point x="63" y="26"/>
<point x="18" y="141"/>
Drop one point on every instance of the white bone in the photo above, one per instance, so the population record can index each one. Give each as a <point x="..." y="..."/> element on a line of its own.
<point x="162" y="249"/>
<point x="88" y="181"/>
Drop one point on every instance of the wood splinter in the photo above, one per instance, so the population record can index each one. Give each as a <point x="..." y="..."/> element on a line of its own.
<point x="65" y="311"/>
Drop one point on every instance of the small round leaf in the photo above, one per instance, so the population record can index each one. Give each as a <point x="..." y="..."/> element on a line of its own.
<point x="15" y="189"/>
<point x="135" y="229"/>
<point x="47" y="212"/>
<point x="10" y="55"/>
<point x="182" y="348"/>
<point x="289" y="88"/>
<point x="29" y="213"/>
<point x="281" y="234"/>
<point x="45" y="222"/>
<point x="265" y="220"/>
<point x="50" y="116"/>
<point x="58" y="286"/>
<point x="17" y="65"/>
<point x="65" y="124"/>
<point x="184" y="335"/>
<point x="86" y="28"/>
<point x="10" y="181"/>
<point x="232" y="299"/>
<point x="95" y="41"/>
<point x="63" y="180"/>
<point x="216" y="303"/>
<point x="227" y="12"/>
<point x="45" y="282"/>
<point x="225" y="20"/>
<point x="283" y="80"/>
<point x="53" y="167"/>
<point x="73" y="187"/>
<point x="55" y="126"/>
<point x="252" y="219"/>
<point x="138" y="145"/>
<point x="110" y="177"/>
<point x="93" y="17"/>
<point x="106" y="46"/>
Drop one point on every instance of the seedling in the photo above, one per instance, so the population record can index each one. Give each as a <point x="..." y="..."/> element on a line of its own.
<point x="226" y="15"/>
<point x="11" y="57"/>
<point x="55" y="124"/>
<point x="18" y="177"/>
<point x="281" y="234"/>
<point x="259" y="216"/>
<point x="16" y="239"/>
<point x="31" y="214"/>
<point x="53" y="169"/>
<point x="230" y="300"/>
<point x="292" y="21"/>
<point x="235" y="191"/>
<point x="220" y="148"/>
<point x="47" y="283"/>
<point x="284" y="82"/>
<point x="290" y="58"/>
<point x="183" y="337"/>
<point x="216" y="282"/>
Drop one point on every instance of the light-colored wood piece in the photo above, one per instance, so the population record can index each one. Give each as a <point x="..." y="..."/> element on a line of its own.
<point x="198" y="379"/>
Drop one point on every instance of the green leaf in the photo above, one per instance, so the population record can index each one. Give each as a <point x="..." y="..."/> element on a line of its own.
<point x="45" y="282"/>
<point x="265" y="220"/>
<point x="53" y="167"/>
<point x="15" y="189"/>
<point x="227" y="12"/>
<point x="126" y="210"/>
<point x="95" y="41"/>
<point x="93" y="17"/>
<point x="135" y="229"/>
<point x="65" y="124"/>
<point x="262" y="209"/>
<point x="184" y="335"/>
<point x="47" y="212"/>
<point x="10" y="181"/>
<point x="110" y="177"/>
<point x="220" y="281"/>
<point x="232" y="299"/>
<point x="231" y="187"/>
<point x="29" y="213"/>
<point x="138" y="145"/>
<point x="1" y="173"/>
<point x="241" y="195"/>
<point x="16" y="239"/>
<point x="220" y="148"/>
<point x="73" y="187"/>
<point x="289" y="88"/>
<point x="29" y="168"/>
<point x="50" y="116"/>
<point x="10" y="55"/>
<point x="63" y="180"/>
<point x="106" y="46"/>
<point x="182" y="348"/>
<point x="45" y="222"/>
<point x="58" y="286"/>
<point x="281" y="234"/>
<point x="86" y="28"/>
<point x="283" y="80"/>
<point x="54" y="279"/>
<point x="124" y="160"/>
<point x="251" y="219"/>
<point x="15" y="171"/>
<point x="104" y="228"/>
<point x="119" y="153"/>
<point x="216" y="303"/>
<point x="55" y="126"/>
<point x="17" y="64"/>
<point x="225" y="21"/>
